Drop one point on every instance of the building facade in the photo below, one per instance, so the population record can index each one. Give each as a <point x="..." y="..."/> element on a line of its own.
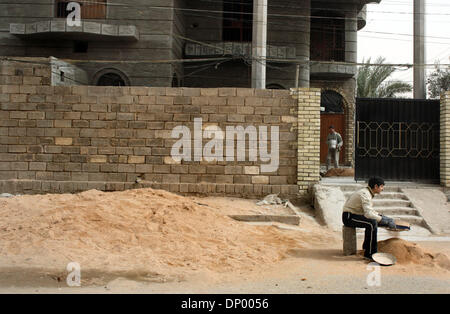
<point x="203" y="43"/>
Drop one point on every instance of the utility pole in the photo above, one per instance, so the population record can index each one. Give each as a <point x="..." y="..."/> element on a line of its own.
<point x="419" y="50"/>
<point x="259" y="45"/>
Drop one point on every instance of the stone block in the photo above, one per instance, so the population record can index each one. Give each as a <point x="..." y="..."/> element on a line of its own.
<point x="349" y="242"/>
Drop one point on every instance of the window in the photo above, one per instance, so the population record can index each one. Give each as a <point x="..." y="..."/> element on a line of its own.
<point x="327" y="37"/>
<point x="90" y="9"/>
<point x="111" y="79"/>
<point x="237" y="20"/>
<point x="332" y="101"/>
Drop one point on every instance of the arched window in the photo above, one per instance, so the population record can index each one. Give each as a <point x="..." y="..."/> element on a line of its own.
<point x="275" y="86"/>
<point x="332" y="101"/>
<point x="110" y="77"/>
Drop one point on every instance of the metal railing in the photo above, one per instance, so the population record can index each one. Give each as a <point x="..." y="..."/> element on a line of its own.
<point x="328" y="54"/>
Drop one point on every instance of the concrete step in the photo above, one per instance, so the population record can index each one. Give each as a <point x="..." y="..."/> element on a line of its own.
<point x="412" y="219"/>
<point x="286" y="219"/>
<point x="382" y="196"/>
<point x="355" y="187"/>
<point x="391" y="195"/>
<point x="391" y="211"/>
<point x="391" y="203"/>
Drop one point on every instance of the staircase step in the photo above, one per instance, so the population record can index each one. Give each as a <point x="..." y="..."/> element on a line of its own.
<point x="391" y="195"/>
<point x="391" y="203"/>
<point x="390" y="211"/>
<point x="382" y="196"/>
<point x="412" y="219"/>
<point x="356" y="187"/>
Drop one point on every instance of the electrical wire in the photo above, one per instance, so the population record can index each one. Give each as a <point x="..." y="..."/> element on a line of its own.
<point x="242" y="3"/>
<point x="269" y="22"/>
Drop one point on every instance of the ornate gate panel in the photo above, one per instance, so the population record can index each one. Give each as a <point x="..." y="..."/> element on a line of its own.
<point x="397" y="139"/>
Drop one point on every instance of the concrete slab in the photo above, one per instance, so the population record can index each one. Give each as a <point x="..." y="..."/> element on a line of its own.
<point x="433" y="206"/>
<point x="286" y="219"/>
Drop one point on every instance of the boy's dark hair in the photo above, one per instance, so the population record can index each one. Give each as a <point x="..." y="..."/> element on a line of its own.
<point x="375" y="181"/>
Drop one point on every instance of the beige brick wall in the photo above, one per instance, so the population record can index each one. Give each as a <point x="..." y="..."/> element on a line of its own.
<point x="28" y="73"/>
<point x="69" y="139"/>
<point x="308" y="129"/>
<point x="445" y="139"/>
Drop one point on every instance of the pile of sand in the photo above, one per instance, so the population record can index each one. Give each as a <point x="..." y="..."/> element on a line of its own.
<point x="408" y="252"/>
<point x="147" y="230"/>
<point x="340" y="172"/>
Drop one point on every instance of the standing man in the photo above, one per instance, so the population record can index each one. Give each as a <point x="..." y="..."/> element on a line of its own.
<point x="358" y="212"/>
<point x="334" y="143"/>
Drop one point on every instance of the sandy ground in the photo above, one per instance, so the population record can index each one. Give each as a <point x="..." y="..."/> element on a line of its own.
<point x="313" y="270"/>
<point x="147" y="241"/>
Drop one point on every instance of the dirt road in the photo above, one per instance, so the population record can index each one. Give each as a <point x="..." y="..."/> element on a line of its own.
<point x="313" y="270"/>
<point x="150" y="241"/>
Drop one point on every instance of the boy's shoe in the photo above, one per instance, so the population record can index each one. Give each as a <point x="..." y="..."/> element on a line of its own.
<point x="368" y="258"/>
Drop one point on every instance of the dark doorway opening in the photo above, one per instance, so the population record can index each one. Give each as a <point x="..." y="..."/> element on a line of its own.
<point x="237" y="20"/>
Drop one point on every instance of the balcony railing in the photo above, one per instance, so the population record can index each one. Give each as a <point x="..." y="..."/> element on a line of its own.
<point x="328" y="54"/>
<point x="90" y="9"/>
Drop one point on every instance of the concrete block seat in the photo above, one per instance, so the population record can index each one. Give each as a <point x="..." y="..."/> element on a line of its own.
<point x="349" y="240"/>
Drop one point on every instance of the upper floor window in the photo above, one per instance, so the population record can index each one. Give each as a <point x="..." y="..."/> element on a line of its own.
<point x="237" y="20"/>
<point x="90" y="9"/>
<point x="327" y="37"/>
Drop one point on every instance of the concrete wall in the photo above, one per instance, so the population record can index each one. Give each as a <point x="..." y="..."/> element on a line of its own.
<point x="445" y="139"/>
<point x="40" y="71"/>
<point x="68" y="139"/>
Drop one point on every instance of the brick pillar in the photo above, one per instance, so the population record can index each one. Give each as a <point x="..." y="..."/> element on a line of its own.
<point x="308" y="137"/>
<point x="350" y="132"/>
<point x="445" y="139"/>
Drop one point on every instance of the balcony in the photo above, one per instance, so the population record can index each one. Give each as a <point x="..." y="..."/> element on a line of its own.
<point x="328" y="70"/>
<point x="89" y="31"/>
<point x="362" y="18"/>
<point x="237" y="49"/>
<point x="93" y="25"/>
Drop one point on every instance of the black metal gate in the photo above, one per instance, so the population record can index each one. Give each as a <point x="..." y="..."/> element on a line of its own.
<point x="397" y="139"/>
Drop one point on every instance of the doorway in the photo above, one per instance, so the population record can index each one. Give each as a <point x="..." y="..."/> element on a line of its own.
<point x="332" y="113"/>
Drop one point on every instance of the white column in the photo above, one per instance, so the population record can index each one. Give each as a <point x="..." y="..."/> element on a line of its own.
<point x="259" y="45"/>
<point x="419" y="49"/>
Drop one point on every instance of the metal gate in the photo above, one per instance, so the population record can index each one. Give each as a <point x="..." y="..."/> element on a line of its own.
<point x="397" y="139"/>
